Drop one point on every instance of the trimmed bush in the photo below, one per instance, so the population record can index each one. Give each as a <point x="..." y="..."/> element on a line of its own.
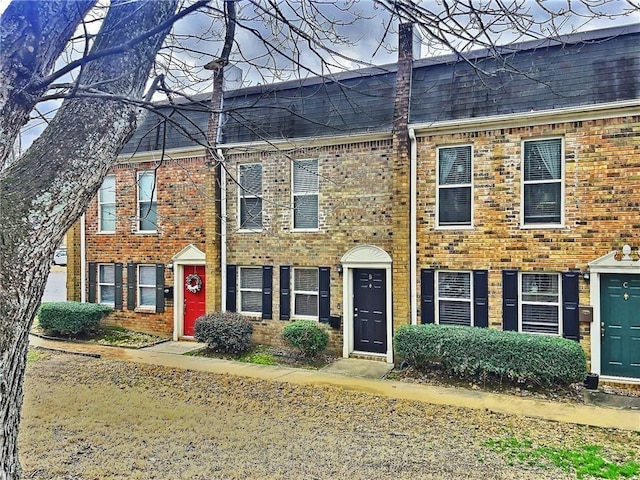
<point x="307" y="336"/>
<point x="481" y="352"/>
<point x="224" y="332"/>
<point x="71" y="318"/>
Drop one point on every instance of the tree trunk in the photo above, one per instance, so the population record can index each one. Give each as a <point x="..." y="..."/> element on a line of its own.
<point x="46" y="190"/>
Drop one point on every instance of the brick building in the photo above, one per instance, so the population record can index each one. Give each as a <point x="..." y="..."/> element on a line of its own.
<point x="495" y="192"/>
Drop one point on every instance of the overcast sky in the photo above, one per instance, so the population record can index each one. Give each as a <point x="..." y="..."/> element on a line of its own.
<point x="368" y="33"/>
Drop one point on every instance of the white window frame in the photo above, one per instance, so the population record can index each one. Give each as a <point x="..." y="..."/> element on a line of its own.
<point x="242" y="289"/>
<point x="102" y="204"/>
<point x="140" y="286"/>
<point x="295" y="292"/>
<point x="523" y="223"/>
<point x="101" y="284"/>
<point x="153" y="200"/>
<point x="522" y="303"/>
<point x="439" y="298"/>
<point x="315" y="192"/>
<point x="242" y="193"/>
<point x="470" y="185"/>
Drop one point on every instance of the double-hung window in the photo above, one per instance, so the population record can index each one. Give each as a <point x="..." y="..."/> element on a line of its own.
<point x="107" y="283"/>
<point x="251" y="290"/>
<point x="250" y="196"/>
<point x="305" y="293"/>
<point x="540" y="303"/>
<point x="146" y="285"/>
<point x="147" y="203"/>
<point x="305" y="194"/>
<point x="107" y="205"/>
<point x="543" y="182"/>
<point x="454" y="298"/>
<point x="455" y="190"/>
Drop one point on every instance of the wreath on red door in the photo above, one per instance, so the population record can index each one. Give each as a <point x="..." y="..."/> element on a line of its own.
<point x="193" y="283"/>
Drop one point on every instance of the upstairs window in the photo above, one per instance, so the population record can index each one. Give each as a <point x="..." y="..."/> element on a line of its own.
<point x="454" y="298"/>
<point x="107" y="205"/>
<point x="305" y="194"/>
<point x="146" y="285"/>
<point x="305" y="293"/>
<point x="251" y="290"/>
<point x="250" y="196"/>
<point x="454" y="186"/>
<point x="543" y="181"/>
<point x="147" y="204"/>
<point x="540" y="303"/>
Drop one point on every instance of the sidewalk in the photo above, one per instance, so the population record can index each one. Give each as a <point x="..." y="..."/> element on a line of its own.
<point x="561" y="412"/>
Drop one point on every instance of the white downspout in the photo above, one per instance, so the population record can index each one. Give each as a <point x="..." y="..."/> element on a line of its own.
<point x="223" y="231"/>
<point x="83" y="260"/>
<point x="413" y="255"/>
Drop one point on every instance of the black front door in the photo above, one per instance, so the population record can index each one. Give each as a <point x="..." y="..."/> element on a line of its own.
<point x="369" y="310"/>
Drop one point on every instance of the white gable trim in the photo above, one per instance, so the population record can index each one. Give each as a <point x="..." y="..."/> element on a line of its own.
<point x="189" y="255"/>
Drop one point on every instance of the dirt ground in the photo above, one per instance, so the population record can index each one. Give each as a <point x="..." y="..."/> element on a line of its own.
<point x="87" y="418"/>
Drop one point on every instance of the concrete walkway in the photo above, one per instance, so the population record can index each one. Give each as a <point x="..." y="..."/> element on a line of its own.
<point x="561" y="412"/>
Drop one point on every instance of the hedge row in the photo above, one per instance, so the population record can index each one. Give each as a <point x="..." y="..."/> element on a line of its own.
<point x="481" y="352"/>
<point x="71" y="318"/>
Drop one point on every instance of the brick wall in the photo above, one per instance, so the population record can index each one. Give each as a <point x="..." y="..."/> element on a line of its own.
<point x="602" y="203"/>
<point x="355" y="208"/>
<point x="181" y="198"/>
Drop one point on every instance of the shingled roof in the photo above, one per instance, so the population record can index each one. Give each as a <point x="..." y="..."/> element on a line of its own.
<point x="581" y="69"/>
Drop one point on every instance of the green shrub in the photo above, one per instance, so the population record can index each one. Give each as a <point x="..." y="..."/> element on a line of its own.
<point x="482" y="352"/>
<point x="225" y="332"/>
<point x="71" y="318"/>
<point x="307" y="336"/>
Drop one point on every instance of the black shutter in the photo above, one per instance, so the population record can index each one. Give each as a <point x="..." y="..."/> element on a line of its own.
<point x="510" y="300"/>
<point x="93" y="268"/>
<point x="131" y="286"/>
<point x="324" y="301"/>
<point x="570" y="299"/>
<point x="427" y="304"/>
<point x="118" y="284"/>
<point x="231" y="288"/>
<point x="285" y="292"/>
<point x="267" y="292"/>
<point x="159" y="287"/>
<point x="480" y="298"/>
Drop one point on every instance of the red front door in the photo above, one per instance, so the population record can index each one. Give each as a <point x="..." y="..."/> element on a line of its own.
<point x="194" y="296"/>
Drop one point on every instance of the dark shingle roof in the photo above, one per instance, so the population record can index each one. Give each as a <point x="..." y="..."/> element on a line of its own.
<point x="580" y="69"/>
<point x="546" y="76"/>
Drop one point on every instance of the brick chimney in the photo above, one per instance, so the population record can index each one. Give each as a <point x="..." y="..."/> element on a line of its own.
<point x="407" y="48"/>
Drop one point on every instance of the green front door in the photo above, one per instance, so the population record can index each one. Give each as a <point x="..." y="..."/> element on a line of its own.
<point x="620" y="327"/>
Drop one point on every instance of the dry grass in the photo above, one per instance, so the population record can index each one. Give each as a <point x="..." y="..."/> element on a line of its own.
<point x="87" y="418"/>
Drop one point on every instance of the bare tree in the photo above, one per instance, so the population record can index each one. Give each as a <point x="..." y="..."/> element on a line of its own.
<point x="52" y="51"/>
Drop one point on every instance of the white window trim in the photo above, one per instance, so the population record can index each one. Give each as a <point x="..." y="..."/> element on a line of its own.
<point x="139" y="286"/>
<point x="305" y="292"/>
<point x="100" y="284"/>
<point x="438" y="297"/>
<point x="294" y="195"/>
<point x="471" y="185"/>
<point x="154" y="199"/>
<point x="241" y="289"/>
<point x="524" y="225"/>
<point x="101" y="204"/>
<point x="248" y="194"/>
<point x="521" y="303"/>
